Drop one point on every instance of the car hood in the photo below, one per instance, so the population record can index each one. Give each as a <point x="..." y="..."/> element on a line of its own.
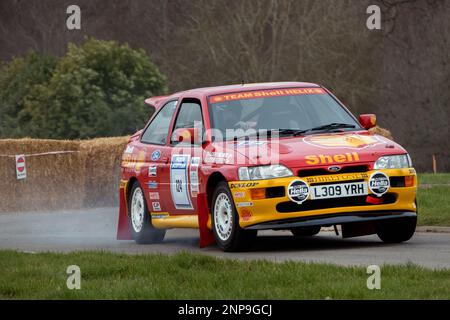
<point x="311" y="150"/>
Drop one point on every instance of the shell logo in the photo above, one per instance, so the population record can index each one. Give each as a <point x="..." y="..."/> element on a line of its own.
<point x="342" y="141"/>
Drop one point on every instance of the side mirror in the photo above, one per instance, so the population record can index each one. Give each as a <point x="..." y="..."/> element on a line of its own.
<point x="186" y="135"/>
<point x="368" y="120"/>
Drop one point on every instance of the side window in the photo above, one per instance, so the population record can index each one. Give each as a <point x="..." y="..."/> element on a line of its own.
<point x="156" y="132"/>
<point x="189" y="116"/>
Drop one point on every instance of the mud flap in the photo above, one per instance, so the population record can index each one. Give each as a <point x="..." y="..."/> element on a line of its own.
<point x="206" y="235"/>
<point x="123" y="225"/>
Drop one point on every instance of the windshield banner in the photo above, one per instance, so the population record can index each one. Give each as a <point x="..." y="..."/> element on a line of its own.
<point x="264" y="94"/>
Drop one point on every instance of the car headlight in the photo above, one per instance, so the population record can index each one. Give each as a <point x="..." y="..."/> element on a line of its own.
<point x="264" y="172"/>
<point x="393" y="162"/>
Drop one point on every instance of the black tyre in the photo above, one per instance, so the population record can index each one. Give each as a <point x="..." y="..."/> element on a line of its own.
<point x="398" y="230"/>
<point x="140" y="221"/>
<point x="305" y="231"/>
<point x="225" y="220"/>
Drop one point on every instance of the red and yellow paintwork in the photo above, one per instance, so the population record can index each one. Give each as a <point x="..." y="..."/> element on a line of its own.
<point x="297" y="153"/>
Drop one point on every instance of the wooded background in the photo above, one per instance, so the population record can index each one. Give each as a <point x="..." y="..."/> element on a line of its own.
<point x="400" y="72"/>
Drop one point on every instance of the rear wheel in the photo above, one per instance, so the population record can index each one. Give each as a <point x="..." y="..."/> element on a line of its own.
<point x="398" y="230"/>
<point x="305" y="231"/>
<point x="140" y="222"/>
<point x="229" y="235"/>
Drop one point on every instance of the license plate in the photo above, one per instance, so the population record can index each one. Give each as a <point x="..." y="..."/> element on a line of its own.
<point x="339" y="190"/>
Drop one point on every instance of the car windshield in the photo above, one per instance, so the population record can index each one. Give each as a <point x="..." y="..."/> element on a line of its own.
<point x="291" y="111"/>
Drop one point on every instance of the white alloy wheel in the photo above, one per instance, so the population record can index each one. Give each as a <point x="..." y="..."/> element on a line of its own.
<point x="137" y="210"/>
<point x="223" y="216"/>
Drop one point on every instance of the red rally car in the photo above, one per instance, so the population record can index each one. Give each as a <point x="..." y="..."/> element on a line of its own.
<point x="233" y="160"/>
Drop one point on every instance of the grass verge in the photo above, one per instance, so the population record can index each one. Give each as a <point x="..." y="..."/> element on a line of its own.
<point x="433" y="199"/>
<point x="189" y="276"/>
<point x="431" y="178"/>
<point x="434" y="206"/>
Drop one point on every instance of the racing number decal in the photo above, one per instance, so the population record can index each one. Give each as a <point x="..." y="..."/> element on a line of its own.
<point x="179" y="182"/>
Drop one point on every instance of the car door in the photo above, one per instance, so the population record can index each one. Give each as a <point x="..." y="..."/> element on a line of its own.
<point x="185" y="159"/>
<point x="155" y="168"/>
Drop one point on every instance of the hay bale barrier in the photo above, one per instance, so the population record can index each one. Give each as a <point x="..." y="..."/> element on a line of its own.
<point x="382" y="132"/>
<point x="54" y="181"/>
<point x="86" y="174"/>
<point x="102" y="170"/>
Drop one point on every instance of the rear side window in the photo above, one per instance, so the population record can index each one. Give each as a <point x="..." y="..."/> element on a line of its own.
<point x="156" y="132"/>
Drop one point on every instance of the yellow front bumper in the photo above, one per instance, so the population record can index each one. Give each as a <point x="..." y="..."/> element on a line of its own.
<point x="254" y="211"/>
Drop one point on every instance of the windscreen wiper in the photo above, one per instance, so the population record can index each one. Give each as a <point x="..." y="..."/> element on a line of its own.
<point x="327" y="127"/>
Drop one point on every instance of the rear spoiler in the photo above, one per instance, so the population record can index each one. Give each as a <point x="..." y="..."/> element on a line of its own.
<point x="154" y="101"/>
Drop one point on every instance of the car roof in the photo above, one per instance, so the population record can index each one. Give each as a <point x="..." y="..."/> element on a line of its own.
<point x="209" y="91"/>
<point x="248" y="86"/>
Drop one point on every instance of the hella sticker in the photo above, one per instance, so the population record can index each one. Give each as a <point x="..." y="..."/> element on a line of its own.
<point x="298" y="191"/>
<point x="379" y="183"/>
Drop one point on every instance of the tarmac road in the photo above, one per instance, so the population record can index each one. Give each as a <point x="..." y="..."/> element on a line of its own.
<point x="91" y="229"/>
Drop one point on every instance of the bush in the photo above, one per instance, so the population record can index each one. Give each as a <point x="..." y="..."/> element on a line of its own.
<point x="97" y="89"/>
<point x="17" y="79"/>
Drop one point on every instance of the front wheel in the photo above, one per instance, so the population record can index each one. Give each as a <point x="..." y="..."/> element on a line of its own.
<point x="140" y="222"/>
<point x="398" y="230"/>
<point x="227" y="232"/>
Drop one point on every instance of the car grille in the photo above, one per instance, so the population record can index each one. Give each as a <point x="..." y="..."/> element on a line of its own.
<point x="289" y="206"/>
<point x="324" y="171"/>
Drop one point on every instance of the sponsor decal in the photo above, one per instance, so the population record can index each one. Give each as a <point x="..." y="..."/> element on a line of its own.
<point x="298" y="191"/>
<point x="193" y="175"/>
<point x="239" y="194"/>
<point x="153" y="195"/>
<point x="243" y="185"/>
<point x="152" y="171"/>
<point x="152" y="185"/>
<point x="245" y="214"/>
<point x="244" y="204"/>
<point x="179" y="189"/>
<point x="379" y="183"/>
<point x="156" y="155"/>
<point x="159" y="215"/>
<point x="329" y="159"/>
<point x="337" y="177"/>
<point x="264" y="94"/>
<point x="156" y="206"/>
<point x="353" y="141"/>
<point x="218" y="157"/>
<point x="129" y="149"/>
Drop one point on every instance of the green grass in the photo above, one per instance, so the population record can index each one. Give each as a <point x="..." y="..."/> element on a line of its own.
<point x="434" y="206"/>
<point x="430" y="178"/>
<point x="433" y="198"/>
<point x="188" y="276"/>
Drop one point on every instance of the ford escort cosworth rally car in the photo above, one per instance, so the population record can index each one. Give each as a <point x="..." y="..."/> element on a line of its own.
<point x="233" y="160"/>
